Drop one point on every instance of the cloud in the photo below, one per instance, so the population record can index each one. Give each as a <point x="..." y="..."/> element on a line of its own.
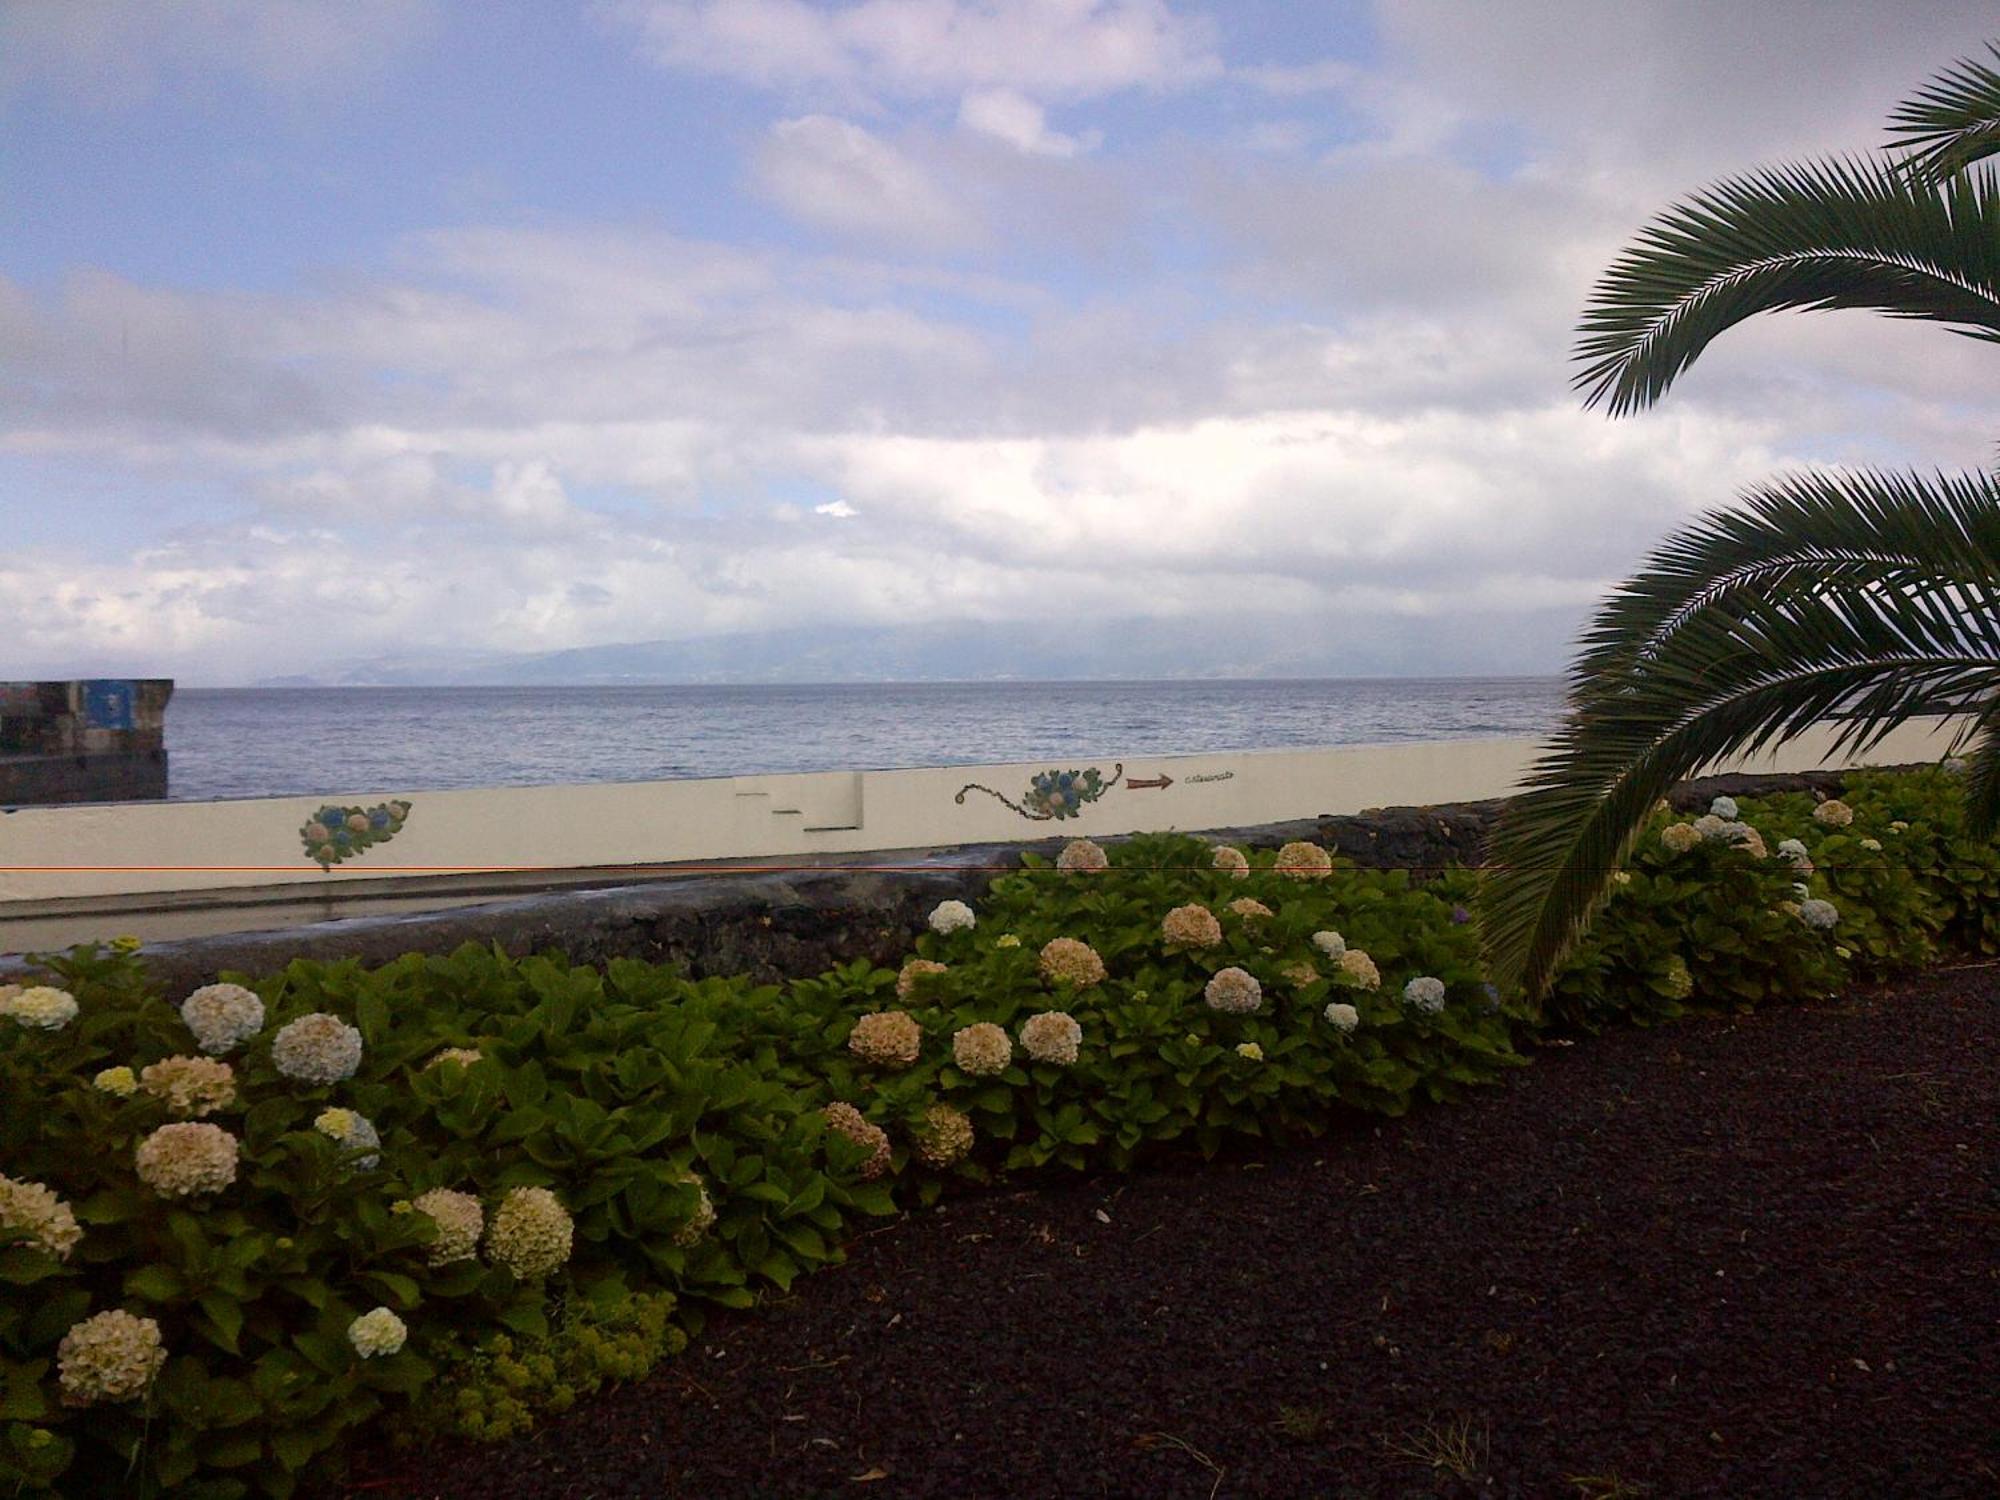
<point x="1310" y="369"/>
<point x="837" y="176"/>
<point x="1019" y="122"/>
<point x="118" y="53"/>
<point x="1291" y="79"/>
<point x="1068" y="49"/>
<point x="1669" y="95"/>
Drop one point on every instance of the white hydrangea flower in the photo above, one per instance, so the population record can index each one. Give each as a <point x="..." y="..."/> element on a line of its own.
<point x="1052" y="1037"/>
<point x="1801" y="890"/>
<point x="1678" y="838"/>
<point x="318" y="1048"/>
<point x="1232" y="862"/>
<point x="1332" y="944"/>
<point x="981" y="1049"/>
<point x="1424" y="994"/>
<point x="40" y="1007"/>
<point x="1873" y="846"/>
<point x="459" y="1219"/>
<point x="1233" y="991"/>
<point x="945" y="1138"/>
<point x="1358" y="970"/>
<point x="1191" y="926"/>
<point x="1007" y="940"/>
<point x="121" y="1082"/>
<point x="1303" y="861"/>
<point x="1083" y="857"/>
<point x="354" y="1134"/>
<point x="1954" y="765"/>
<point x="1250" y="1051"/>
<point x="1724" y="808"/>
<point x="888" y="1038"/>
<point x="1343" y="1017"/>
<point x="845" y="1120"/>
<point x="952" y="916"/>
<point x="1819" y="915"/>
<point x="530" y="1233"/>
<point x="1833" y="813"/>
<point x="1071" y="961"/>
<point x="186" y="1159"/>
<point x="31" y="1214"/>
<point x="1795" y="851"/>
<point x="110" y="1357"/>
<point x="190" y="1086"/>
<point x="222" y="1017"/>
<point x="377" y="1333"/>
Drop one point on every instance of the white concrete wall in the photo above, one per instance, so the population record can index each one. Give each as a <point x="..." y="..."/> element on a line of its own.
<point x="52" y="853"/>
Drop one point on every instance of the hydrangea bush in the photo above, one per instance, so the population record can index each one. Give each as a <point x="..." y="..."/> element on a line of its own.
<point x="213" y="1269"/>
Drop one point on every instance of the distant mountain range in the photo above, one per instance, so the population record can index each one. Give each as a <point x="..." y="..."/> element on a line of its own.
<point x="1230" y="645"/>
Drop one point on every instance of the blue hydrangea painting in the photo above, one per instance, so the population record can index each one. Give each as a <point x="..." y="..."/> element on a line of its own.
<point x="1053" y="795"/>
<point x="334" y="834"/>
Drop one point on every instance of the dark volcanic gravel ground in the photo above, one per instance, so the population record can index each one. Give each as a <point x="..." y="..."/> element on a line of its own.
<point x="1749" y="1258"/>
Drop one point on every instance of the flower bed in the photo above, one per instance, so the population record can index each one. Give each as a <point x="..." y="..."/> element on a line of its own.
<point x="459" y="1190"/>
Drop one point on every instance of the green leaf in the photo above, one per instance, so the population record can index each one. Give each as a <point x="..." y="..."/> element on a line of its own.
<point x="232" y="1451"/>
<point x="226" y="1313"/>
<point x="155" y="1283"/>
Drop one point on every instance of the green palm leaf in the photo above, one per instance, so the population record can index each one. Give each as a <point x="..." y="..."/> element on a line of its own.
<point x="1864" y="598"/>
<point x="1811" y="236"/>
<point x="1952" y="123"/>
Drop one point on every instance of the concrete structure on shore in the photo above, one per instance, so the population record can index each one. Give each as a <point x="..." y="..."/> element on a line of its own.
<point x="170" y="868"/>
<point x="100" y="739"/>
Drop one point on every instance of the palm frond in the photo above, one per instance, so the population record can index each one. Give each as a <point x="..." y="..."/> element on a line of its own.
<point x="1953" y="122"/>
<point x="1809" y="236"/>
<point x="1982" y="789"/>
<point x="1935" y="539"/>
<point x="1866" y="628"/>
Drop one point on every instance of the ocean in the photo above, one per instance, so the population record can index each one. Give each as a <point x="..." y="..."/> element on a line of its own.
<point x="266" y="742"/>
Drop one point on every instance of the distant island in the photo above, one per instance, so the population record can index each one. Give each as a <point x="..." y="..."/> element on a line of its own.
<point x="1229" y="645"/>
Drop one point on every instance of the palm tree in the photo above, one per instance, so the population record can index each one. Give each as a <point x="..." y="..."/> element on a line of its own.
<point x="1863" y="597"/>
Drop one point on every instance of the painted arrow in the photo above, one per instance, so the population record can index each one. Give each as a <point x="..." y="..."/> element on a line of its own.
<point x="1133" y="784"/>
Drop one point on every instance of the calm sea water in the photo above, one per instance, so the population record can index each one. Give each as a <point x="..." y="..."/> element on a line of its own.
<point x="259" y="742"/>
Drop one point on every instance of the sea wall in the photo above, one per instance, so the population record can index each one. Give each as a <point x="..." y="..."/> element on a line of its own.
<point x="775" y="926"/>
<point x="373" y="840"/>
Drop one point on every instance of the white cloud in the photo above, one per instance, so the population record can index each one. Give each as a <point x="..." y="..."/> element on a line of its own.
<point x="835" y="175"/>
<point x="1229" y="366"/>
<point x="117" y="51"/>
<point x="1070" y="49"/>
<point x="1018" y="121"/>
<point x="1288" y="79"/>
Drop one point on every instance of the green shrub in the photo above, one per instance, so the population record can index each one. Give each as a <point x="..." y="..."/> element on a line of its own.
<point x="496" y="1385"/>
<point x="629" y="1108"/>
<point x="663" y="1145"/>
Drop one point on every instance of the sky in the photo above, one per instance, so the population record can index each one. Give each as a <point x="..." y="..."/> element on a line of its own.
<point x="337" y="330"/>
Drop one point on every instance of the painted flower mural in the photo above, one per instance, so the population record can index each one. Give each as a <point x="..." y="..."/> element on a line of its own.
<point x="1053" y="795"/>
<point x="334" y="834"/>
